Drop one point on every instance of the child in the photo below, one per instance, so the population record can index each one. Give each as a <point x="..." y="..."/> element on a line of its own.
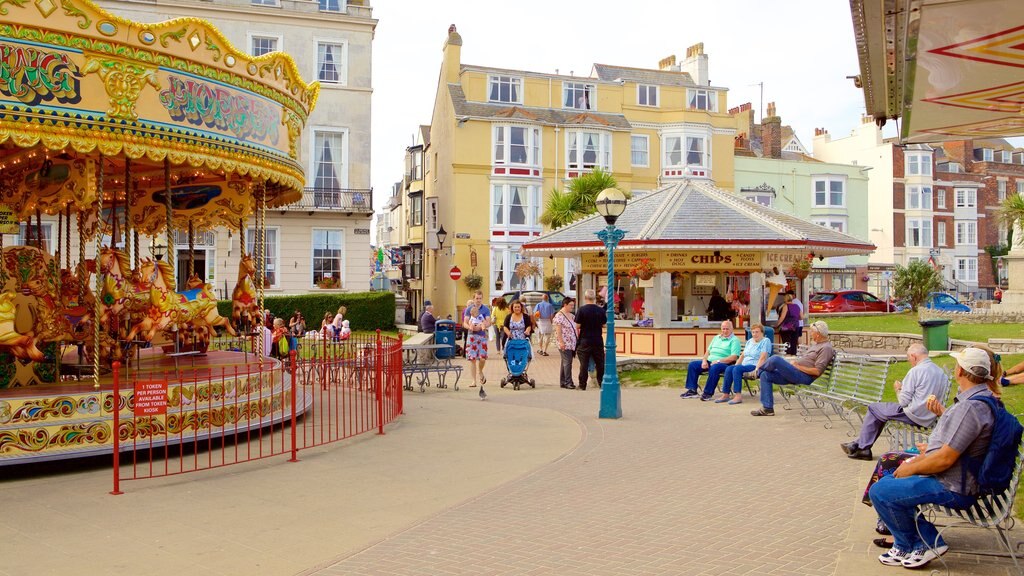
<point x="345" y="331"/>
<point x="327" y="326"/>
<point x="476" y="319"/>
<point x="279" y="337"/>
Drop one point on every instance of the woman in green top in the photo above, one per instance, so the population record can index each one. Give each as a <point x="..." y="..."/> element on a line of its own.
<point x="499" y="311"/>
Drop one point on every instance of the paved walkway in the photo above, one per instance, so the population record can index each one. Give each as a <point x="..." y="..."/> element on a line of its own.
<point x="528" y="482"/>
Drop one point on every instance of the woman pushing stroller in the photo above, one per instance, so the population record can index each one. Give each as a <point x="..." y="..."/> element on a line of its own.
<point x="518" y="325"/>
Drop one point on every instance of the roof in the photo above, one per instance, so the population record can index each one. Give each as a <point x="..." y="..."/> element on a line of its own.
<point x="642" y="75"/>
<point x="425" y="134"/>
<point x="695" y="214"/>
<point x="502" y="110"/>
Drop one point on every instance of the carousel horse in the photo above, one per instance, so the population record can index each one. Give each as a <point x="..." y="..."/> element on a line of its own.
<point x="31" y="309"/>
<point x="78" y="300"/>
<point x="244" y="307"/>
<point x="198" y="305"/>
<point x="128" y="297"/>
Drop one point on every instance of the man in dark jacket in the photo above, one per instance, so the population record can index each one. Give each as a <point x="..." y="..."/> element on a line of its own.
<point x="590" y="319"/>
<point x="427" y="319"/>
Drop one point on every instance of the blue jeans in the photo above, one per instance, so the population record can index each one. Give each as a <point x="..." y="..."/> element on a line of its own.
<point x="734" y="374"/>
<point x="715" y="371"/>
<point x="777" y="371"/>
<point x="896" y="501"/>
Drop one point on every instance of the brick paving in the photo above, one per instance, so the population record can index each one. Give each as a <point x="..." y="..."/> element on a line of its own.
<point x="675" y="487"/>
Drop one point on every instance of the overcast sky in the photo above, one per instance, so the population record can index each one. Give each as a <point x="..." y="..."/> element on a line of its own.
<point x="802" y="50"/>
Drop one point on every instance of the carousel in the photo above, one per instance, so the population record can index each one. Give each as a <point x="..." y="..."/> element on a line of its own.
<point x="687" y="244"/>
<point x="131" y="133"/>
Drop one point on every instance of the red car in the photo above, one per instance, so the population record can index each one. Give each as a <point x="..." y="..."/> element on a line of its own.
<point x="847" y="301"/>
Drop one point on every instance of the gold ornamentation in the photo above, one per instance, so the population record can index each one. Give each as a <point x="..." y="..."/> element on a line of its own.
<point x="212" y="47"/>
<point x="18" y="3"/>
<point x="123" y="81"/>
<point x="70" y="10"/>
<point x="175" y="35"/>
<point x="294" y="126"/>
<point x="45" y="7"/>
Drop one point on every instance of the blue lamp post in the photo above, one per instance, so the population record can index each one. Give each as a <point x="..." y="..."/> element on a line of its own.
<point x="610" y="203"/>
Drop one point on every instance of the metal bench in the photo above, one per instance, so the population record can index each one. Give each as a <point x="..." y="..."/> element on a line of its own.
<point x="990" y="511"/>
<point x="786" y="391"/>
<point x="904" y="436"/>
<point x="423" y="371"/>
<point x="855" y="381"/>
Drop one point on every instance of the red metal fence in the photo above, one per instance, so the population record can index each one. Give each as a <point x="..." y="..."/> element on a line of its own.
<point x="231" y="406"/>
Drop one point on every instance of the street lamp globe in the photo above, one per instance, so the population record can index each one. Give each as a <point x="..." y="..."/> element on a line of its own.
<point x="610" y="203"/>
<point x="441" y="236"/>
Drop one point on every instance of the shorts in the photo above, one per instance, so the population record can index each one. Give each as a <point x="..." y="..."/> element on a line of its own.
<point x="544" y="327"/>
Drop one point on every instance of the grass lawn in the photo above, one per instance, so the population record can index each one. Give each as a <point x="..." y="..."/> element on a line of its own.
<point x="906" y="323"/>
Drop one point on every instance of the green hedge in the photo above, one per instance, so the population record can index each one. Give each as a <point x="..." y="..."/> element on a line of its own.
<point x="366" y="310"/>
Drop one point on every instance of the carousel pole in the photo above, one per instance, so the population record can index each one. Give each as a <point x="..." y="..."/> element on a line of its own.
<point x="39" y="230"/>
<point x="191" y="249"/>
<point x="172" y="252"/>
<point x="81" y="261"/>
<point x="99" y="285"/>
<point x="261" y="225"/>
<point x="60" y="230"/>
<point x="67" y="236"/>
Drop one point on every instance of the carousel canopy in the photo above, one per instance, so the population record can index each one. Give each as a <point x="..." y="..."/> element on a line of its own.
<point x="951" y="70"/>
<point x="90" y="101"/>
<point x="694" y="215"/>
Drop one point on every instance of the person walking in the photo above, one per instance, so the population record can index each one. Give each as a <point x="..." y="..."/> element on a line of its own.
<point x="590" y="319"/>
<point x="565" y="339"/>
<point x="789" y="324"/>
<point x="476" y="336"/>
<point x="544" y="312"/>
<point x="498" y="314"/>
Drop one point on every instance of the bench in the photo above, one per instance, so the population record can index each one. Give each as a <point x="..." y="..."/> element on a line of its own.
<point x="903" y="435"/>
<point x="990" y="511"/>
<point x="423" y="371"/>
<point x="854" y="382"/>
<point x="785" y="390"/>
<point x="418" y="338"/>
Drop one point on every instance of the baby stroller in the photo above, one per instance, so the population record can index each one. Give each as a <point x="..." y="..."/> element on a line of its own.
<point x="517" y="359"/>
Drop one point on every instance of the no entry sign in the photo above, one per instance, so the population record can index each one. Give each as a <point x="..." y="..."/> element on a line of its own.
<point x="455" y="273"/>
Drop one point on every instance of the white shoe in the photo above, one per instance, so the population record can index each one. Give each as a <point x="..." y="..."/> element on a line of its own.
<point x="919" y="558"/>
<point x="893" y="557"/>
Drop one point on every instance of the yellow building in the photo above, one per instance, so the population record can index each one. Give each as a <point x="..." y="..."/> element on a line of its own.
<point x="501" y="140"/>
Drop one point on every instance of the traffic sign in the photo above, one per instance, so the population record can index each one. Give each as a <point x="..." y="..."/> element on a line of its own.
<point x="455" y="273"/>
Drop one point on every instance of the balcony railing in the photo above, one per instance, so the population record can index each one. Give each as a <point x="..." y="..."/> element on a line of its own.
<point x="350" y="200"/>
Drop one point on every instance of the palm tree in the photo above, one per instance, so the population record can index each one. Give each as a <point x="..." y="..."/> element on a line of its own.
<point x="1011" y="213"/>
<point x="577" y="200"/>
<point x="914" y="282"/>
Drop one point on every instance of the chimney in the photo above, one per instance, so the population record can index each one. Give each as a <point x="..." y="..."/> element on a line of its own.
<point x="696" y="64"/>
<point x="771" y="134"/>
<point x="452" y="60"/>
<point x="744" y="115"/>
<point x="668" y="64"/>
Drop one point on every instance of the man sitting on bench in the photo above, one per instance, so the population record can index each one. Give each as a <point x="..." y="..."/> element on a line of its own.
<point x="803" y="370"/>
<point x="924" y="379"/>
<point x="722" y="352"/>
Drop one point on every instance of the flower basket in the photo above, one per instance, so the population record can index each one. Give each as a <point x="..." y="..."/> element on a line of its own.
<point x="473" y="281"/>
<point x="645" y="270"/>
<point x="801" y="269"/>
<point x="526" y="269"/>
<point x="553" y="283"/>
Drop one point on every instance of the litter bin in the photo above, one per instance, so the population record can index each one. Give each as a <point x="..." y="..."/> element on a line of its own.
<point x="444" y="333"/>
<point x="936" y="334"/>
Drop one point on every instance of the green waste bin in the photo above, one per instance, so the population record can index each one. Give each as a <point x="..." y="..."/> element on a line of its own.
<point x="936" y="334"/>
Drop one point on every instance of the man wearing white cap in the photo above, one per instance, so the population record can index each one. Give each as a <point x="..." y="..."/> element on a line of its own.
<point x="803" y="370"/>
<point x="938" y="476"/>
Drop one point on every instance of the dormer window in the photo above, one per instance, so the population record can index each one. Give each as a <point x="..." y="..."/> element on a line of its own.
<point x="1006" y="157"/>
<point x="507" y="89"/>
<point x="579" y="96"/>
<point x="983" y="154"/>
<point x="647" y="95"/>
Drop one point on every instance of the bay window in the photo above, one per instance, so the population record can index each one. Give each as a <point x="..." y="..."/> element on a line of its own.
<point x="919" y="233"/>
<point x="588" y="150"/>
<point x="829" y="190"/>
<point x="504" y="259"/>
<point x="919" y="165"/>
<point x="516" y="145"/>
<point x="966" y="233"/>
<point x="515" y="205"/>
<point x="967" y="269"/>
<point x="966" y="198"/>
<point x="683" y="151"/>
<point x="919" y="198"/>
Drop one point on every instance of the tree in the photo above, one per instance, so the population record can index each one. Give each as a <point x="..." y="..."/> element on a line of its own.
<point x="914" y="282"/>
<point x="1011" y="213"/>
<point x="577" y="200"/>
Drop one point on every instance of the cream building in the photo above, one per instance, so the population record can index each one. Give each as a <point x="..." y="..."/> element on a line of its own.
<point x="500" y="140"/>
<point x="324" y="239"/>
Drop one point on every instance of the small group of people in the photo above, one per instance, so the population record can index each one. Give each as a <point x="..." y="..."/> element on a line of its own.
<point x="334" y="325"/>
<point x="579" y="336"/>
